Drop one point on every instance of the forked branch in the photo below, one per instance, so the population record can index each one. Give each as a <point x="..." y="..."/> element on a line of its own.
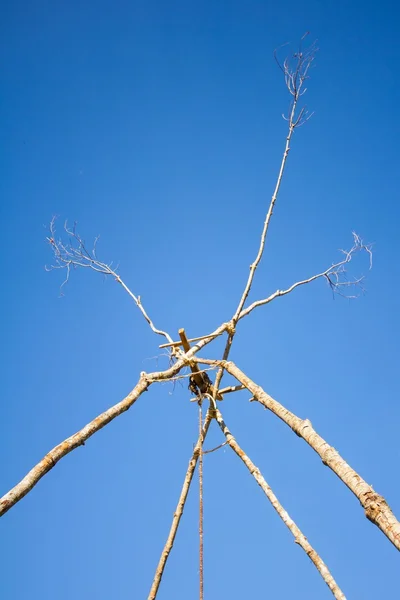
<point x="73" y="254"/>
<point x="335" y="275"/>
<point x="299" y="537"/>
<point x="296" y="72"/>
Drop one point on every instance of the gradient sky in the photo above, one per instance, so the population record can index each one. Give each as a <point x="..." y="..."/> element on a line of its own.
<point x="158" y="126"/>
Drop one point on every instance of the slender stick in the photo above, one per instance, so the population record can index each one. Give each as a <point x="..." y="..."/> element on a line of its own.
<point x="179" y="509"/>
<point x="294" y="79"/>
<point x="232" y="388"/>
<point x="299" y="537"/>
<point x="75" y="254"/>
<point x="201" y="512"/>
<point x="335" y="275"/>
<point x="254" y="265"/>
<point x="140" y="306"/>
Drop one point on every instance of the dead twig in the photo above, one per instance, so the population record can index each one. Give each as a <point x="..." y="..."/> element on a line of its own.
<point x="214" y="449"/>
<point x="73" y="253"/>
<point x="232" y="388"/>
<point x="335" y="275"/>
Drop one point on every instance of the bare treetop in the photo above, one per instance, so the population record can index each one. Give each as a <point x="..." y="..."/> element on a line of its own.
<point x="295" y="69"/>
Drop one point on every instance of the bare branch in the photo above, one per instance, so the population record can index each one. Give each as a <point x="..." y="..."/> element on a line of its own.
<point x="74" y="441"/>
<point x="295" y="75"/>
<point x="295" y="72"/>
<point x="335" y="276"/>
<point x="78" y="439"/>
<point x="197" y="339"/>
<point x="73" y="254"/>
<point x="376" y="508"/>
<point x="232" y="388"/>
<point x="295" y="69"/>
<point x="214" y="362"/>
<point x="215" y="449"/>
<point x="299" y="537"/>
<point x="179" y="509"/>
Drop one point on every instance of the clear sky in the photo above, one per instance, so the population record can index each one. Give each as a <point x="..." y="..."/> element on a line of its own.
<point x="158" y="125"/>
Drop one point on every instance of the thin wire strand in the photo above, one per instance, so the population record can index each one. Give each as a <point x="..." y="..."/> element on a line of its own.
<point x="179" y="509"/>
<point x="201" y="510"/>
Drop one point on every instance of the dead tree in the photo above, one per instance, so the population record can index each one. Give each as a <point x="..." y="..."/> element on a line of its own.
<point x="71" y="252"/>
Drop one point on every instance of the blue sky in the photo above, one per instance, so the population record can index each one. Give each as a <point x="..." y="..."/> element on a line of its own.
<point x="157" y="125"/>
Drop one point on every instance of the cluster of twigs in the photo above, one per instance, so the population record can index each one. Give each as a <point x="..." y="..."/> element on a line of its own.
<point x="73" y="253"/>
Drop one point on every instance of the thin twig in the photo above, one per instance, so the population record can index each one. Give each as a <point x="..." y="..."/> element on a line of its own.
<point x="294" y="78"/>
<point x="214" y="449"/>
<point x="334" y="276"/>
<point x="299" y="537"/>
<point x="179" y="509"/>
<point x="74" y="254"/>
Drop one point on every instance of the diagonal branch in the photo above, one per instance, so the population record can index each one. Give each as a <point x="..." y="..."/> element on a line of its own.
<point x="71" y="443"/>
<point x="295" y="74"/>
<point x="179" y="509"/>
<point x="78" y="439"/>
<point x="74" y="254"/>
<point x="299" y="537"/>
<point x="295" y="77"/>
<point x="232" y="388"/>
<point x="377" y="510"/>
<point x="335" y="276"/>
